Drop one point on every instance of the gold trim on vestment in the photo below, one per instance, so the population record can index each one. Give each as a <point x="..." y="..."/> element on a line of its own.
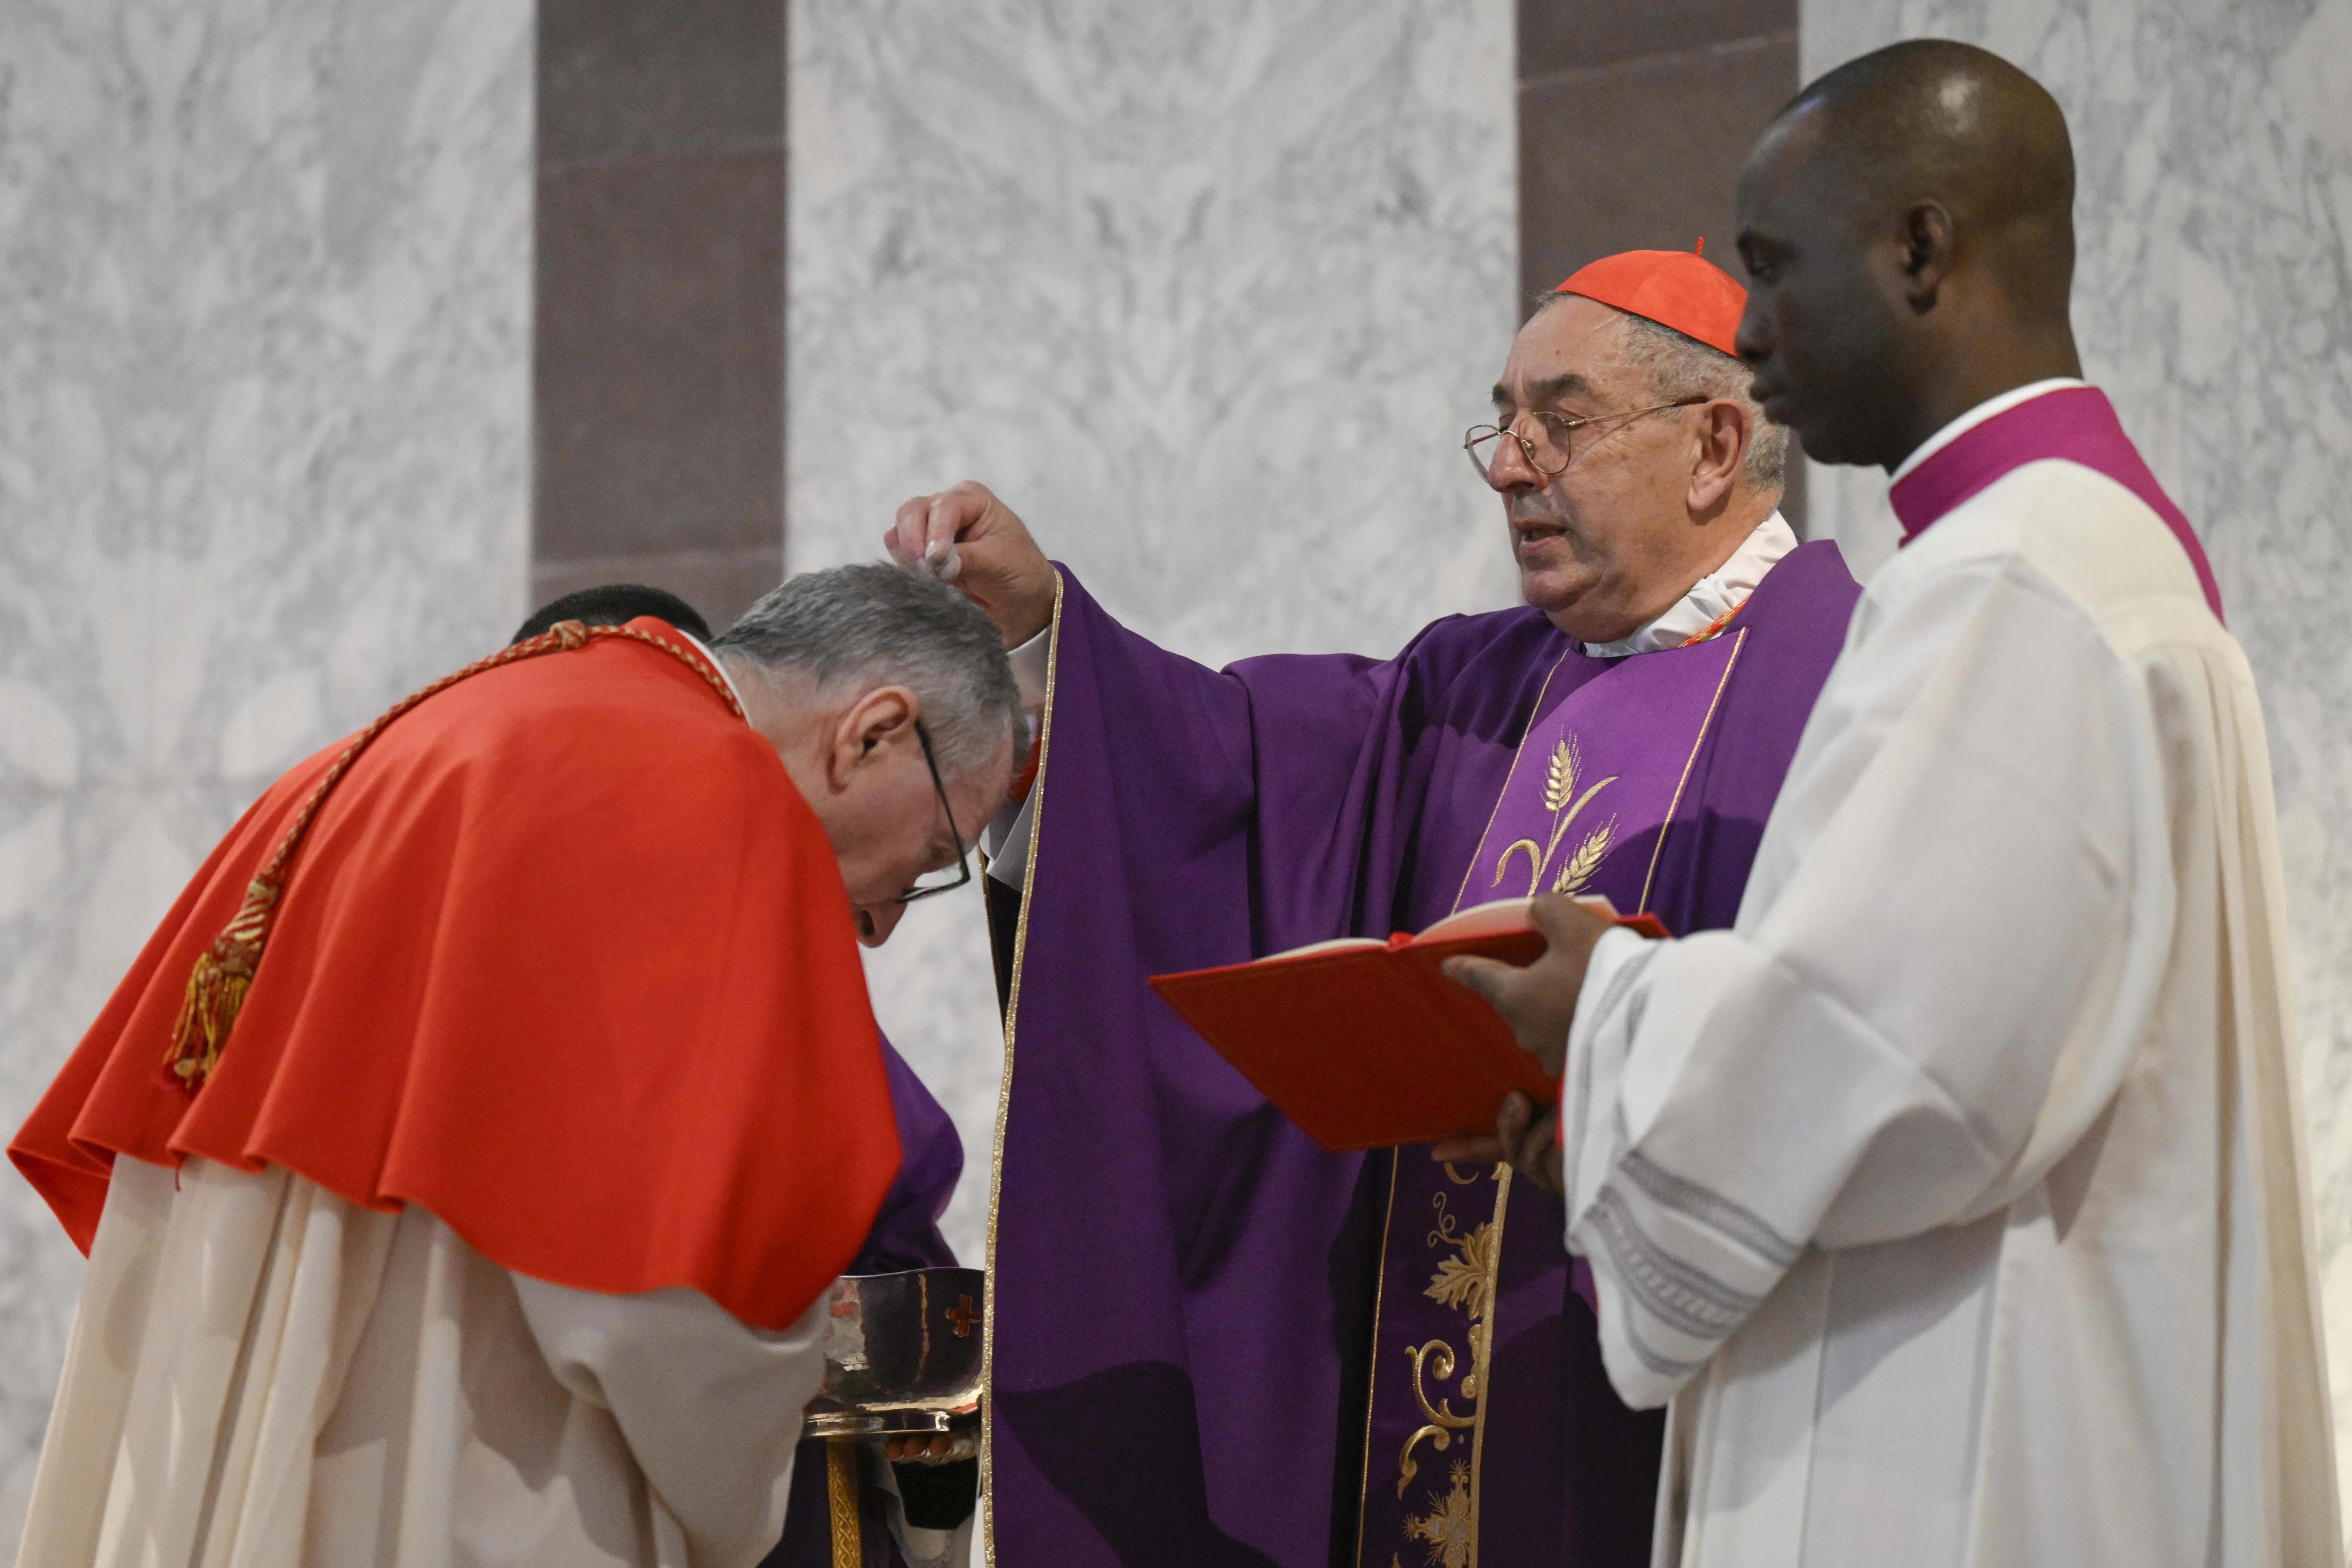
<point x="1379" y="1292"/>
<point x="1004" y="1092"/>
<point x="1705" y="724"/>
<point x="841" y="1502"/>
<point x="1486" y="1351"/>
<point x="1388" y="1215"/>
<point x="1452" y="1530"/>
<point x="1481" y="1367"/>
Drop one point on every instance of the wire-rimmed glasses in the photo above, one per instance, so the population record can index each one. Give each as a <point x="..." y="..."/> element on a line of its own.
<point x="1482" y="442"/>
<point x="922" y="890"/>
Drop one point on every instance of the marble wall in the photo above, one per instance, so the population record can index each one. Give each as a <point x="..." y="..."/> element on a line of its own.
<point x="657" y="419"/>
<point x="2214" y="143"/>
<point x="264" y="381"/>
<point x="1208" y="294"/>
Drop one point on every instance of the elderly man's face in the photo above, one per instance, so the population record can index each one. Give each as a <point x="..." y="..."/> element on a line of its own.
<point x="858" y="762"/>
<point x="890" y="828"/>
<point x="1607" y="543"/>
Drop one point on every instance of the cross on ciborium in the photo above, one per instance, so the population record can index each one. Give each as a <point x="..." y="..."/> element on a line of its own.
<point x="902" y="1358"/>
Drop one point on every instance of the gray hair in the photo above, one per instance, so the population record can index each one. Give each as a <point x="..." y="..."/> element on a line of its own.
<point x="1676" y="365"/>
<point x="877" y="625"/>
<point x="1680" y="366"/>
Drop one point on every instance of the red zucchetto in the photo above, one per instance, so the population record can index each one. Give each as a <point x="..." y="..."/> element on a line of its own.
<point x="1677" y="289"/>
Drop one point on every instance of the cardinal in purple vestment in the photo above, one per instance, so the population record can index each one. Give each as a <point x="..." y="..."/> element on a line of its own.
<point x="1213" y="1342"/>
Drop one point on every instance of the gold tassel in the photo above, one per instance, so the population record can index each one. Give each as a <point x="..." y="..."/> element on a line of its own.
<point x="216" y="990"/>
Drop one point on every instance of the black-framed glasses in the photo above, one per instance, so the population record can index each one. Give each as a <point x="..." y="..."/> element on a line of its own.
<point x="922" y="890"/>
<point x="1484" y="441"/>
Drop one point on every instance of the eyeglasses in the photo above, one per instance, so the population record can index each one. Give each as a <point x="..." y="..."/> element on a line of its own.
<point x="922" y="890"/>
<point x="1484" y="442"/>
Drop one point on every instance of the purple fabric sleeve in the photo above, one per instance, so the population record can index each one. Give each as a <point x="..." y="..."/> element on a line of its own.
<point x="906" y="1234"/>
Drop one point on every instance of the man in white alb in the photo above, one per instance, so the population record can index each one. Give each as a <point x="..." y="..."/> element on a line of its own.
<point x="1955" y="1196"/>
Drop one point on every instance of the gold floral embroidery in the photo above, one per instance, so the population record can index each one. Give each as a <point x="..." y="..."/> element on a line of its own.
<point x="1450" y="1528"/>
<point x="1562" y="799"/>
<point x="1447" y="1231"/>
<point x="1464" y="1282"/>
<point x="1437" y="1358"/>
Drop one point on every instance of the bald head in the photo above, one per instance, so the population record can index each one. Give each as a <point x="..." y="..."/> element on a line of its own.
<point x="1907" y="221"/>
<point x="1933" y="121"/>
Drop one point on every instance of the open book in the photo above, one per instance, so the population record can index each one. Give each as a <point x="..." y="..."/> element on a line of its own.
<point x="1365" y="1044"/>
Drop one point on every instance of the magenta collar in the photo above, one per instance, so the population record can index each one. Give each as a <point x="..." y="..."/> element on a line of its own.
<point x="2076" y="423"/>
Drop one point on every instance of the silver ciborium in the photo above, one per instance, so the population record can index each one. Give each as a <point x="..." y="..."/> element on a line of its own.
<point x="902" y="1355"/>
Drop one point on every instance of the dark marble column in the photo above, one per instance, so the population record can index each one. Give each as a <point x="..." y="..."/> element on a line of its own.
<point x="1633" y="123"/>
<point x="659" y="364"/>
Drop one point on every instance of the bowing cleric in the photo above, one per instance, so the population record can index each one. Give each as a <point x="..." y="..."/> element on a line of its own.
<point x="464" y="1160"/>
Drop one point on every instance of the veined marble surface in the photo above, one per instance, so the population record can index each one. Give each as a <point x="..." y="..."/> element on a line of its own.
<point x="2214" y="221"/>
<point x="1207" y="294"/>
<point x="264" y="394"/>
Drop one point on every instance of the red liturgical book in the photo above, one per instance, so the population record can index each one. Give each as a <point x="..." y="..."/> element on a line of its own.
<point x="1366" y="1044"/>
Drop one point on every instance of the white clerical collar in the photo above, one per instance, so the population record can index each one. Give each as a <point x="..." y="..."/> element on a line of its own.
<point x="2000" y="404"/>
<point x="716" y="663"/>
<point x="1712" y="596"/>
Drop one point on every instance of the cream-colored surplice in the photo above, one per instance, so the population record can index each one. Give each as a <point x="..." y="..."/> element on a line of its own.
<point x="1955" y="1196"/>
<point x="263" y="1375"/>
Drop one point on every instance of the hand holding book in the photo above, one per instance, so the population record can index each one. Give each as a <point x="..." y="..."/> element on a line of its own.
<point x="1367" y="1044"/>
<point x="1538" y="1002"/>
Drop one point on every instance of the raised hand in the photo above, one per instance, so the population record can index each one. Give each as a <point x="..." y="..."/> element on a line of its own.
<point x="993" y="560"/>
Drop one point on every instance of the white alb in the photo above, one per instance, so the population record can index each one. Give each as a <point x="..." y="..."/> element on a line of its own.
<point x="1955" y="1196"/>
<point x="265" y="1375"/>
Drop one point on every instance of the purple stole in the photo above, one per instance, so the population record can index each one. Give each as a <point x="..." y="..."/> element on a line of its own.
<point x="2074" y="424"/>
<point x="1588" y="806"/>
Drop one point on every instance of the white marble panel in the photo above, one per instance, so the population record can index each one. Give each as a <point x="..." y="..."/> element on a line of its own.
<point x="263" y="382"/>
<point x="1208" y="293"/>
<point x="2214" y="143"/>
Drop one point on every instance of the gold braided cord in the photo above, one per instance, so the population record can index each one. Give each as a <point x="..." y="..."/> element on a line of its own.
<point x="987" y="1502"/>
<point x="841" y="1502"/>
<point x="217" y="987"/>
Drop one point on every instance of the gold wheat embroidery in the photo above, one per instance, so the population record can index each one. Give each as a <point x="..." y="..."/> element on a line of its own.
<point x="1581" y="866"/>
<point x="1559" y="777"/>
<point x="1563" y="771"/>
<point x="1535" y="862"/>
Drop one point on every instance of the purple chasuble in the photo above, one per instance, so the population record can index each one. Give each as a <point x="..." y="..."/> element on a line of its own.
<point x="1588" y="806"/>
<point x="905" y="1235"/>
<point x="1198" y="1318"/>
<point x="2074" y="425"/>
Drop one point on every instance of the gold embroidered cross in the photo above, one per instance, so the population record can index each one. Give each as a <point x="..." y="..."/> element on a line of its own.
<point x="963" y="1317"/>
